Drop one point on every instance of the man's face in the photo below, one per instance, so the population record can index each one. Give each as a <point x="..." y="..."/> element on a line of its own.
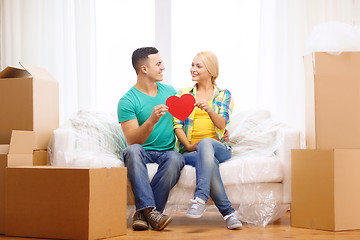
<point x="155" y="67"/>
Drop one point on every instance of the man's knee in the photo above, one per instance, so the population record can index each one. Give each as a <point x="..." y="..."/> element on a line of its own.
<point x="132" y="149"/>
<point x="176" y="160"/>
<point x="132" y="153"/>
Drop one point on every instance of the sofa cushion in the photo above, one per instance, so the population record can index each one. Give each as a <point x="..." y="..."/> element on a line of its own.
<point x="238" y="170"/>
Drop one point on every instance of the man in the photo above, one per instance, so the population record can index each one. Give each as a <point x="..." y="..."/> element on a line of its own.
<point x="148" y="130"/>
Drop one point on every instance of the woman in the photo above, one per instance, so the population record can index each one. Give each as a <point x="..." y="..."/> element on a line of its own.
<point x="200" y="138"/>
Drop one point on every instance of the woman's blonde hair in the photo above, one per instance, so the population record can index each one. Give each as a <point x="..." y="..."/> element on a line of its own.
<point x="211" y="63"/>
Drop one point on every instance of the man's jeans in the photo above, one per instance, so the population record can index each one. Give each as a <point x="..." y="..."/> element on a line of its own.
<point x="206" y="159"/>
<point x="156" y="192"/>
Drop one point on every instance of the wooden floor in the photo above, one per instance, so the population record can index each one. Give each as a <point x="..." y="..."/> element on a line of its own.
<point x="211" y="226"/>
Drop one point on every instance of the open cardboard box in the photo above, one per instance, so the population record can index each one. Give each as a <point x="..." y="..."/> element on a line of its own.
<point x="16" y="153"/>
<point x="65" y="203"/>
<point x="332" y="100"/>
<point x="29" y="101"/>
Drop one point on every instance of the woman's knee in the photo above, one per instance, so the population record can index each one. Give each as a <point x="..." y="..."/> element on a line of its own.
<point x="206" y="151"/>
<point x="206" y="142"/>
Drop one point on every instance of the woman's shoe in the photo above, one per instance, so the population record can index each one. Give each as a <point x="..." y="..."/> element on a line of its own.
<point x="197" y="208"/>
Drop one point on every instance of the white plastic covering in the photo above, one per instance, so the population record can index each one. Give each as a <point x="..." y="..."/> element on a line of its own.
<point x="253" y="177"/>
<point x="88" y="140"/>
<point x="254" y="133"/>
<point x="334" y="37"/>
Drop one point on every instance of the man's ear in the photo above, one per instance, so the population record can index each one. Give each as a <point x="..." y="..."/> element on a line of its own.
<point x="143" y="69"/>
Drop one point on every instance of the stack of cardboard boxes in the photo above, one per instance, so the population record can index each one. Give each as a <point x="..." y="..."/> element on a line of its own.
<point x="29" y="101"/>
<point x="325" y="176"/>
<point x="46" y="201"/>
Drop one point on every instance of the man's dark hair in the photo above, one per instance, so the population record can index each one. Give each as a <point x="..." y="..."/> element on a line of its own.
<point x="140" y="55"/>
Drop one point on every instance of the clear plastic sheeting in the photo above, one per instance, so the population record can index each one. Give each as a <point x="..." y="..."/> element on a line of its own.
<point x="254" y="133"/>
<point x="89" y="139"/>
<point x="334" y="37"/>
<point x="256" y="178"/>
<point x="260" y="215"/>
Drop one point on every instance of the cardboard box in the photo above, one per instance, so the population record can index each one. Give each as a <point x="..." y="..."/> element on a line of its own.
<point x="332" y="100"/>
<point x="18" y="152"/>
<point x="29" y="101"/>
<point x="325" y="189"/>
<point x="65" y="203"/>
<point x="40" y="158"/>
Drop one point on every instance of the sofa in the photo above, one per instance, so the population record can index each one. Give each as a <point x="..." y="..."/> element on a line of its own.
<point x="257" y="178"/>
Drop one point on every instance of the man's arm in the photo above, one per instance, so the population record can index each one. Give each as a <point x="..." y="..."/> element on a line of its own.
<point x="135" y="134"/>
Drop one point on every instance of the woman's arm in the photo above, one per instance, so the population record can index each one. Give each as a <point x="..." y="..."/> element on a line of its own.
<point x="218" y="120"/>
<point x="184" y="141"/>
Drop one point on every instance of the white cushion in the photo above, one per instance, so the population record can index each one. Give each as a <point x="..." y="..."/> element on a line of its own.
<point x="235" y="171"/>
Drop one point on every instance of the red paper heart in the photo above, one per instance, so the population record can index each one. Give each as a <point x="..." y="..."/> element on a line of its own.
<point x="181" y="107"/>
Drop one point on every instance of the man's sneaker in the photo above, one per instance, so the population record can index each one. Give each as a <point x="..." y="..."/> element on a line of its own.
<point x="157" y="220"/>
<point x="139" y="222"/>
<point x="197" y="208"/>
<point x="232" y="221"/>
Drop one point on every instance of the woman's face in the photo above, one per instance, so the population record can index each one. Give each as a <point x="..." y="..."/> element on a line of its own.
<point x="198" y="70"/>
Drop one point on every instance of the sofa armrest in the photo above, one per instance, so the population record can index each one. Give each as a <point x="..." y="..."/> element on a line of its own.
<point x="291" y="141"/>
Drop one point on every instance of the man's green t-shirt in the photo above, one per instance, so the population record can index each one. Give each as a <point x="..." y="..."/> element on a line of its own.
<point x="137" y="105"/>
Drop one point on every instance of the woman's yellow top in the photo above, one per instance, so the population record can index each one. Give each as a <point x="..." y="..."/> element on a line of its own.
<point x="203" y="126"/>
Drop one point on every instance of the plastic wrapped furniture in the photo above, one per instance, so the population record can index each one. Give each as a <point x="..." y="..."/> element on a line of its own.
<point x="256" y="178"/>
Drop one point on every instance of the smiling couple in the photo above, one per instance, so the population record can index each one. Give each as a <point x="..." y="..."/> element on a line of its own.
<point x="151" y="133"/>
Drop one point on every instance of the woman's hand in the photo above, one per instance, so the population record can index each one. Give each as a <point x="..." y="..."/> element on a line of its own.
<point x="192" y="147"/>
<point x="203" y="105"/>
<point x="226" y="136"/>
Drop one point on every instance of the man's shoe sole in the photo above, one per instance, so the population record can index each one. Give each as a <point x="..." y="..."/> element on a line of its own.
<point x="165" y="224"/>
<point x="140" y="226"/>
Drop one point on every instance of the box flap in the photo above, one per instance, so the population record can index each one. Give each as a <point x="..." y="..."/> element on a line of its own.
<point x="309" y="70"/>
<point x="38" y="73"/>
<point x="4" y="148"/>
<point x="22" y="142"/>
<point x="20" y="160"/>
<point x="11" y="72"/>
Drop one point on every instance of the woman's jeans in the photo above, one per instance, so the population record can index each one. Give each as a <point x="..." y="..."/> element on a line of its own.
<point x="206" y="159"/>
<point x="156" y="192"/>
